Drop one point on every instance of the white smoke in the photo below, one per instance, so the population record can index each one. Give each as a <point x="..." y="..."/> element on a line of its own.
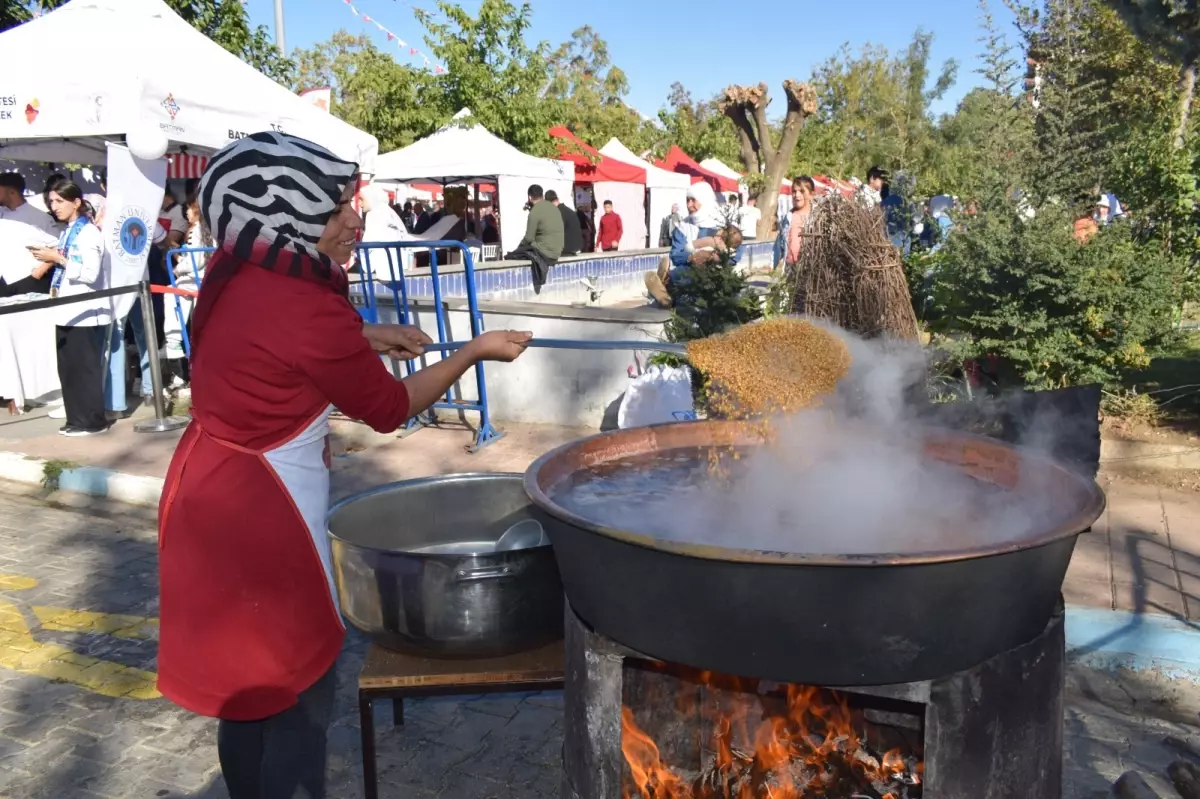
<point x="848" y="478"/>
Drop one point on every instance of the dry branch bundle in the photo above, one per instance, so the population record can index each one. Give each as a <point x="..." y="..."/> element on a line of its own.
<point x="850" y="274"/>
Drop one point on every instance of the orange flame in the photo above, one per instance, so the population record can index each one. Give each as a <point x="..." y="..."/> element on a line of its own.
<point x="806" y="751"/>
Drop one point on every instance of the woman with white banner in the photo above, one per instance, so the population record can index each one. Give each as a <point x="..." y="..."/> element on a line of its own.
<point x="82" y="332"/>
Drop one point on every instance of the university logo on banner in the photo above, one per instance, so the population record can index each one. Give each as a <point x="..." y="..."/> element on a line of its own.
<point x="135" y="193"/>
<point x="131" y="235"/>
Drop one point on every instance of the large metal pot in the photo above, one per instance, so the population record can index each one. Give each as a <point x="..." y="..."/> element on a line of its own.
<point x="416" y="569"/>
<point x="815" y="619"/>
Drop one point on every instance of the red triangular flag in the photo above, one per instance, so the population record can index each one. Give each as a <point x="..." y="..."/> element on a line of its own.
<point x="390" y="36"/>
<point x="367" y="19"/>
<point x="412" y="51"/>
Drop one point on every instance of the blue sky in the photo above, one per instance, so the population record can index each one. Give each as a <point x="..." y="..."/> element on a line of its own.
<point x="705" y="44"/>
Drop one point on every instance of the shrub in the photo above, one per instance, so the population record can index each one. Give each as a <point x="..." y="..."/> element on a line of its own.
<point x="1056" y="312"/>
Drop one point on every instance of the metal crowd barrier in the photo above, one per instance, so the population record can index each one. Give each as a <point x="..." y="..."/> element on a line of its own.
<point x="454" y="401"/>
<point x="161" y="422"/>
<point x="191" y="253"/>
<point x="369" y="309"/>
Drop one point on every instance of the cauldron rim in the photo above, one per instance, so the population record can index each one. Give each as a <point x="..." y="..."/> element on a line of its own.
<point x="1092" y="505"/>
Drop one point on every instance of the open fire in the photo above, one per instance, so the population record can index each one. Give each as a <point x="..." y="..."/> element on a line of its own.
<point x="757" y="741"/>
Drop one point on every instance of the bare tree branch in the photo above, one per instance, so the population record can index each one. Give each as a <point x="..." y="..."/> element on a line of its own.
<point x="802" y="103"/>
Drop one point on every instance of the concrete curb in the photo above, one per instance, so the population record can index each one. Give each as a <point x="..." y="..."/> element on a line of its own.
<point x="1118" y="454"/>
<point x="1119" y="639"/>
<point x="91" y="480"/>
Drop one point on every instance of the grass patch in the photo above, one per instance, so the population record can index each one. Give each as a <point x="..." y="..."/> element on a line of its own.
<point x="52" y="472"/>
<point x="1172" y="379"/>
<point x="1165" y="393"/>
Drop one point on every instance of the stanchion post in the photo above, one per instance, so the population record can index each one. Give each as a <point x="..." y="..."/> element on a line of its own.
<point x="161" y="423"/>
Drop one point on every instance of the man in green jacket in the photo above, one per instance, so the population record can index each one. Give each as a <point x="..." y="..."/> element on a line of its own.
<point x="543" y="242"/>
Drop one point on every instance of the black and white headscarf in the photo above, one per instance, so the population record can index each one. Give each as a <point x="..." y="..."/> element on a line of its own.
<point x="267" y="198"/>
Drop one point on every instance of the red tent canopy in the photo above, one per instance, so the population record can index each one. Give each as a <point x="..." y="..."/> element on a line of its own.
<point x="677" y="160"/>
<point x="590" y="165"/>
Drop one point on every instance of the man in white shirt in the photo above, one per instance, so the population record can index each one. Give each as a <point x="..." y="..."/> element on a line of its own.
<point x="22" y="226"/>
<point x="748" y="219"/>
<point x="173" y="221"/>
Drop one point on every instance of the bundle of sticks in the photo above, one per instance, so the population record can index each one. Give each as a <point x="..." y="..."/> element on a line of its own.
<point x="850" y="274"/>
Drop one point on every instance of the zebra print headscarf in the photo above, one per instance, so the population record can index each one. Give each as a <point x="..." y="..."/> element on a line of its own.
<point x="267" y="198"/>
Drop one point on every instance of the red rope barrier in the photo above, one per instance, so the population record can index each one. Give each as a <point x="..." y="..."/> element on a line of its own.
<point x="173" y="290"/>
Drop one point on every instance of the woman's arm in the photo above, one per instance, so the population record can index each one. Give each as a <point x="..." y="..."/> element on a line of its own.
<point x="344" y="366"/>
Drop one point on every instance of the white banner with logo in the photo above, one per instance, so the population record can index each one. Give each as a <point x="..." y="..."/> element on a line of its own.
<point x="135" y="194"/>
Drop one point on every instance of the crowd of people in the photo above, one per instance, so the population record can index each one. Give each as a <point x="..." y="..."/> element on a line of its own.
<point x="58" y="251"/>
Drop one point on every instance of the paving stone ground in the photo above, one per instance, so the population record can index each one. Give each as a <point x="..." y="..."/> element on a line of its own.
<point x="77" y="720"/>
<point x="1142" y="555"/>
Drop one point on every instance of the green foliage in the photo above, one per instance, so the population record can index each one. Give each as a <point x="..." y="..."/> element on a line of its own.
<point x="697" y="127"/>
<point x="370" y="89"/>
<point x="52" y="472"/>
<point x="491" y="70"/>
<point x="586" y="93"/>
<point x="1172" y="26"/>
<point x="717" y="297"/>
<point x="226" y="22"/>
<point x="873" y="108"/>
<point x="1056" y="312"/>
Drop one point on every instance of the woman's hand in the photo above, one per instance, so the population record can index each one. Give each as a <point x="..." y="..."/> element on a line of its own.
<point x="47" y="254"/>
<point x="39" y="271"/>
<point x="499" y="345"/>
<point x="402" y="342"/>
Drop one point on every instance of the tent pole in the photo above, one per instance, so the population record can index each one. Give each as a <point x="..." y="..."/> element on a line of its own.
<point x="279" y="43"/>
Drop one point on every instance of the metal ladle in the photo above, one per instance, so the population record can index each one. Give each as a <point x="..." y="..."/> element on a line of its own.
<point x="525" y="534"/>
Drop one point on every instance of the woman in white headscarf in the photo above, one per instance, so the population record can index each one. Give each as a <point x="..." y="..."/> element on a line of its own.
<point x="704" y="219"/>
<point x="383" y="225"/>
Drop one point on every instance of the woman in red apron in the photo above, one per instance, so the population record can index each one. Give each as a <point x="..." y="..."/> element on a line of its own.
<point x="250" y="627"/>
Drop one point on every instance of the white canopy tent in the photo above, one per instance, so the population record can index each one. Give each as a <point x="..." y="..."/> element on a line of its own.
<point x="146" y="73"/>
<point x="725" y="171"/>
<point x="666" y="188"/>
<point x="464" y="153"/>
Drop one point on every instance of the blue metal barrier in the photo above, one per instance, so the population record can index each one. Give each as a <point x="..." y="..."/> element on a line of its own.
<point x="191" y="253"/>
<point x="486" y="433"/>
<point x="370" y="313"/>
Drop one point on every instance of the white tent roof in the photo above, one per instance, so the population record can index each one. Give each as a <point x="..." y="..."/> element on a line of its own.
<point x="719" y="167"/>
<point x="462" y="153"/>
<point x="144" y="67"/>
<point x="656" y="177"/>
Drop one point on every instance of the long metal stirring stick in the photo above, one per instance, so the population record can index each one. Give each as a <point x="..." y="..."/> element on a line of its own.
<point x="575" y="344"/>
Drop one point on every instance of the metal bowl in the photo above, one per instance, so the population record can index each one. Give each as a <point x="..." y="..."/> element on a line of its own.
<point x="417" y="571"/>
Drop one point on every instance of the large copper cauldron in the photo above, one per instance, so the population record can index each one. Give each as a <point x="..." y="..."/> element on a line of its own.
<point x="815" y="619"/>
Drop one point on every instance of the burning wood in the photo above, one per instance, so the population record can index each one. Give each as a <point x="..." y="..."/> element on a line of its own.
<point x="810" y="748"/>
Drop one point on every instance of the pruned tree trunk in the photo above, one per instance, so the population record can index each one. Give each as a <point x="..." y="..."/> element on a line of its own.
<point x="746" y="106"/>
<point x="1187" y="92"/>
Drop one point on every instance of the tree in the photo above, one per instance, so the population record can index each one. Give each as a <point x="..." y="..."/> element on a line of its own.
<point x="587" y="93"/>
<point x="371" y="91"/>
<point x="491" y="70"/>
<point x="984" y="146"/>
<point x="761" y="153"/>
<point x="1015" y="284"/>
<point x="698" y="128"/>
<point x="873" y="108"/>
<point x="226" y="22"/>
<point x="1172" y="27"/>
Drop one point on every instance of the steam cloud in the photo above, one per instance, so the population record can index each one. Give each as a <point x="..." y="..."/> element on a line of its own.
<point x="848" y="478"/>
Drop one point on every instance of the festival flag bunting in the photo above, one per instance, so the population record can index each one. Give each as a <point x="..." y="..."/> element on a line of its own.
<point x="438" y="69"/>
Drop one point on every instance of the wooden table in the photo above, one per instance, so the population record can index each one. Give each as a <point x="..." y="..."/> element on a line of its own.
<point x="394" y="675"/>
